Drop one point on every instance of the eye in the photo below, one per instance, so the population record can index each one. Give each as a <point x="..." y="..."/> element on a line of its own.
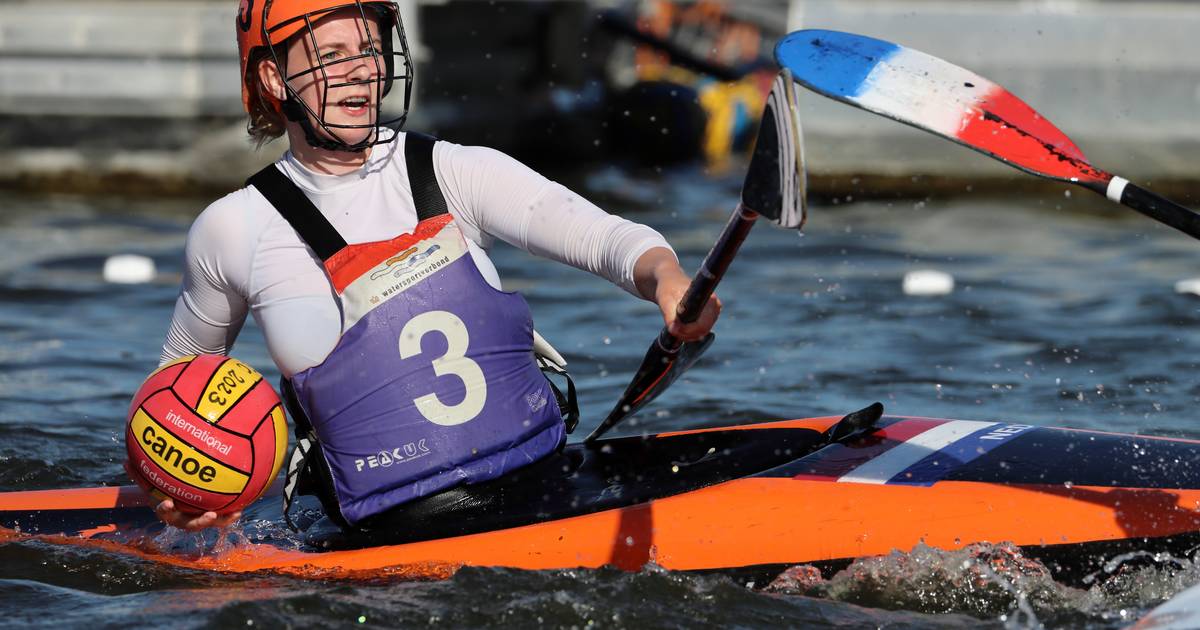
<point x="330" y="55"/>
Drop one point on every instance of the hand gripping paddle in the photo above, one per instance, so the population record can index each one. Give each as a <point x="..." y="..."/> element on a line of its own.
<point x="923" y="91"/>
<point x="774" y="188"/>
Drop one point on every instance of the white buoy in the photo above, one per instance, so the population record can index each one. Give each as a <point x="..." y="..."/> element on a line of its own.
<point x="928" y="282"/>
<point x="1191" y="285"/>
<point x="129" y="269"/>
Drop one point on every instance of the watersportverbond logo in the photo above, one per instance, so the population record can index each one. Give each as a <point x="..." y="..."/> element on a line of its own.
<point x="203" y="435"/>
<point x="393" y="276"/>
<point x="399" y="455"/>
<point x="415" y="276"/>
<point x="364" y="294"/>
<point x="403" y="263"/>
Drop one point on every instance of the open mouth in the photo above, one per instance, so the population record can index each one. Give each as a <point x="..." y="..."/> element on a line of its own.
<point x="356" y="105"/>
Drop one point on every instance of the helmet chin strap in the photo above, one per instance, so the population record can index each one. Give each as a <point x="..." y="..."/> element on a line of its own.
<point x="296" y="113"/>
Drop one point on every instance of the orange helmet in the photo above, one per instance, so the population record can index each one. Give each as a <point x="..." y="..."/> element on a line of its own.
<point x="267" y="23"/>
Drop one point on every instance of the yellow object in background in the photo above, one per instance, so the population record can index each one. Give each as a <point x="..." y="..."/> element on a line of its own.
<point x="732" y="108"/>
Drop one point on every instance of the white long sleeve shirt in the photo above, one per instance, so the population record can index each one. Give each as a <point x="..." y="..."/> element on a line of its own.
<point x="243" y="257"/>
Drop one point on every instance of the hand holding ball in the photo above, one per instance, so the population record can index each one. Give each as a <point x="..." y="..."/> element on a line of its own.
<point x="206" y="432"/>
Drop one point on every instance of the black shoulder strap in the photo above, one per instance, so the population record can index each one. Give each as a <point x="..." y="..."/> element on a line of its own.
<point x="316" y="230"/>
<point x="418" y="157"/>
<point x="290" y="202"/>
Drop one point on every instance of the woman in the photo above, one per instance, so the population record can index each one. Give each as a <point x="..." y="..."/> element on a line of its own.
<point x="406" y="341"/>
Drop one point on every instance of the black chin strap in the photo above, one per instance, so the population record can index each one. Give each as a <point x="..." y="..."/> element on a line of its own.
<point x="295" y="113"/>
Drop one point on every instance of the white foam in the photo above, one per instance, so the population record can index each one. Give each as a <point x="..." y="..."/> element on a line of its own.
<point x="928" y="282"/>
<point x="129" y="269"/>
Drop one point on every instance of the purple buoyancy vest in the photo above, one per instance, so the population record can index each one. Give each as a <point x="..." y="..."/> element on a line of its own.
<point x="433" y="382"/>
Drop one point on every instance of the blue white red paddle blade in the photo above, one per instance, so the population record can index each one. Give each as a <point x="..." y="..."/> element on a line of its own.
<point x="931" y="94"/>
<point x="776" y="184"/>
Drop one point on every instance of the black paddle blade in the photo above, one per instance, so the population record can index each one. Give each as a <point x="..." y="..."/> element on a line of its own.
<point x="776" y="184"/>
<point x="659" y="369"/>
<point x="855" y="423"/>
<point x="774" y="188"/>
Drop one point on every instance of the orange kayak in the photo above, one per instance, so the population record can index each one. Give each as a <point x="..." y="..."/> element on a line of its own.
<point x="750" y="500"/>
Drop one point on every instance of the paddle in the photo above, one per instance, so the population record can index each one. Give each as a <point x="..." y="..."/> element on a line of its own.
<point x="923" y="91"/>
<point x="774" y="188"/>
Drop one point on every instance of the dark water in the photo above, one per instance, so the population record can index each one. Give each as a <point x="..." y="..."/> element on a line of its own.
<point x="1064" y="313"/>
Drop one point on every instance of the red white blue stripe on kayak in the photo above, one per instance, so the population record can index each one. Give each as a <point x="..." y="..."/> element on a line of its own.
<point x="916" y="452"/>
<point x="921" y="90"/>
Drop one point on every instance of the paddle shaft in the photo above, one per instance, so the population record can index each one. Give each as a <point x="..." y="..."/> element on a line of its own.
<point x="773" y="188"/>
<point x="1152" y="205"/>
<point x="660" y="361"/>
<point x="710" y="273"/>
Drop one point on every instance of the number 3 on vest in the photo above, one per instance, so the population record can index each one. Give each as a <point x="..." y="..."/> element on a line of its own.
<point x="453" y="362"/>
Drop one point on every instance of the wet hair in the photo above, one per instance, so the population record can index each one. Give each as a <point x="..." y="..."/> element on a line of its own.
<point x="266" y="122"/>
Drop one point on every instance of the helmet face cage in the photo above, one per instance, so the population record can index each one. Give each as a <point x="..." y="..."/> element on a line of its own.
<point x="387" y="61"/>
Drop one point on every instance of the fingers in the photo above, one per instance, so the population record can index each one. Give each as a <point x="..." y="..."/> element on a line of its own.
<point x="164" y="508"/>
<point x="183" y="520"/>
<point x="225" y="520"/>
<point x="190" y="521"/>
<point x="670" y="286"/>
<point x="699" y="328"/>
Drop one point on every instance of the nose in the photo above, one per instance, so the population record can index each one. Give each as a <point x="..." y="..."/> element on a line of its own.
<point x="367" y="68"/>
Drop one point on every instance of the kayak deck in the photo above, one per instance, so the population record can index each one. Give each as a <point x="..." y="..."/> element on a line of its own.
<point x="751" y="499"/>
<point x="584" y="479"/>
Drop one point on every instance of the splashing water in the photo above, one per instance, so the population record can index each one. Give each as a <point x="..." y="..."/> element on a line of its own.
<point x="997" y="581"/>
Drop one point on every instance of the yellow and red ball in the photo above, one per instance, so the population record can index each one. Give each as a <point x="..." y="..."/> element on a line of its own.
<point x="206" y="431"/>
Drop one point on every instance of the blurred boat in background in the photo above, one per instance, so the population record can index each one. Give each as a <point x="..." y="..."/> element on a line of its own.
<point x="142" y="96"/>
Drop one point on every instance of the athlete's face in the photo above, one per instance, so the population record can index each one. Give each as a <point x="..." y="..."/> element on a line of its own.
<point x="336" y="75"/>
